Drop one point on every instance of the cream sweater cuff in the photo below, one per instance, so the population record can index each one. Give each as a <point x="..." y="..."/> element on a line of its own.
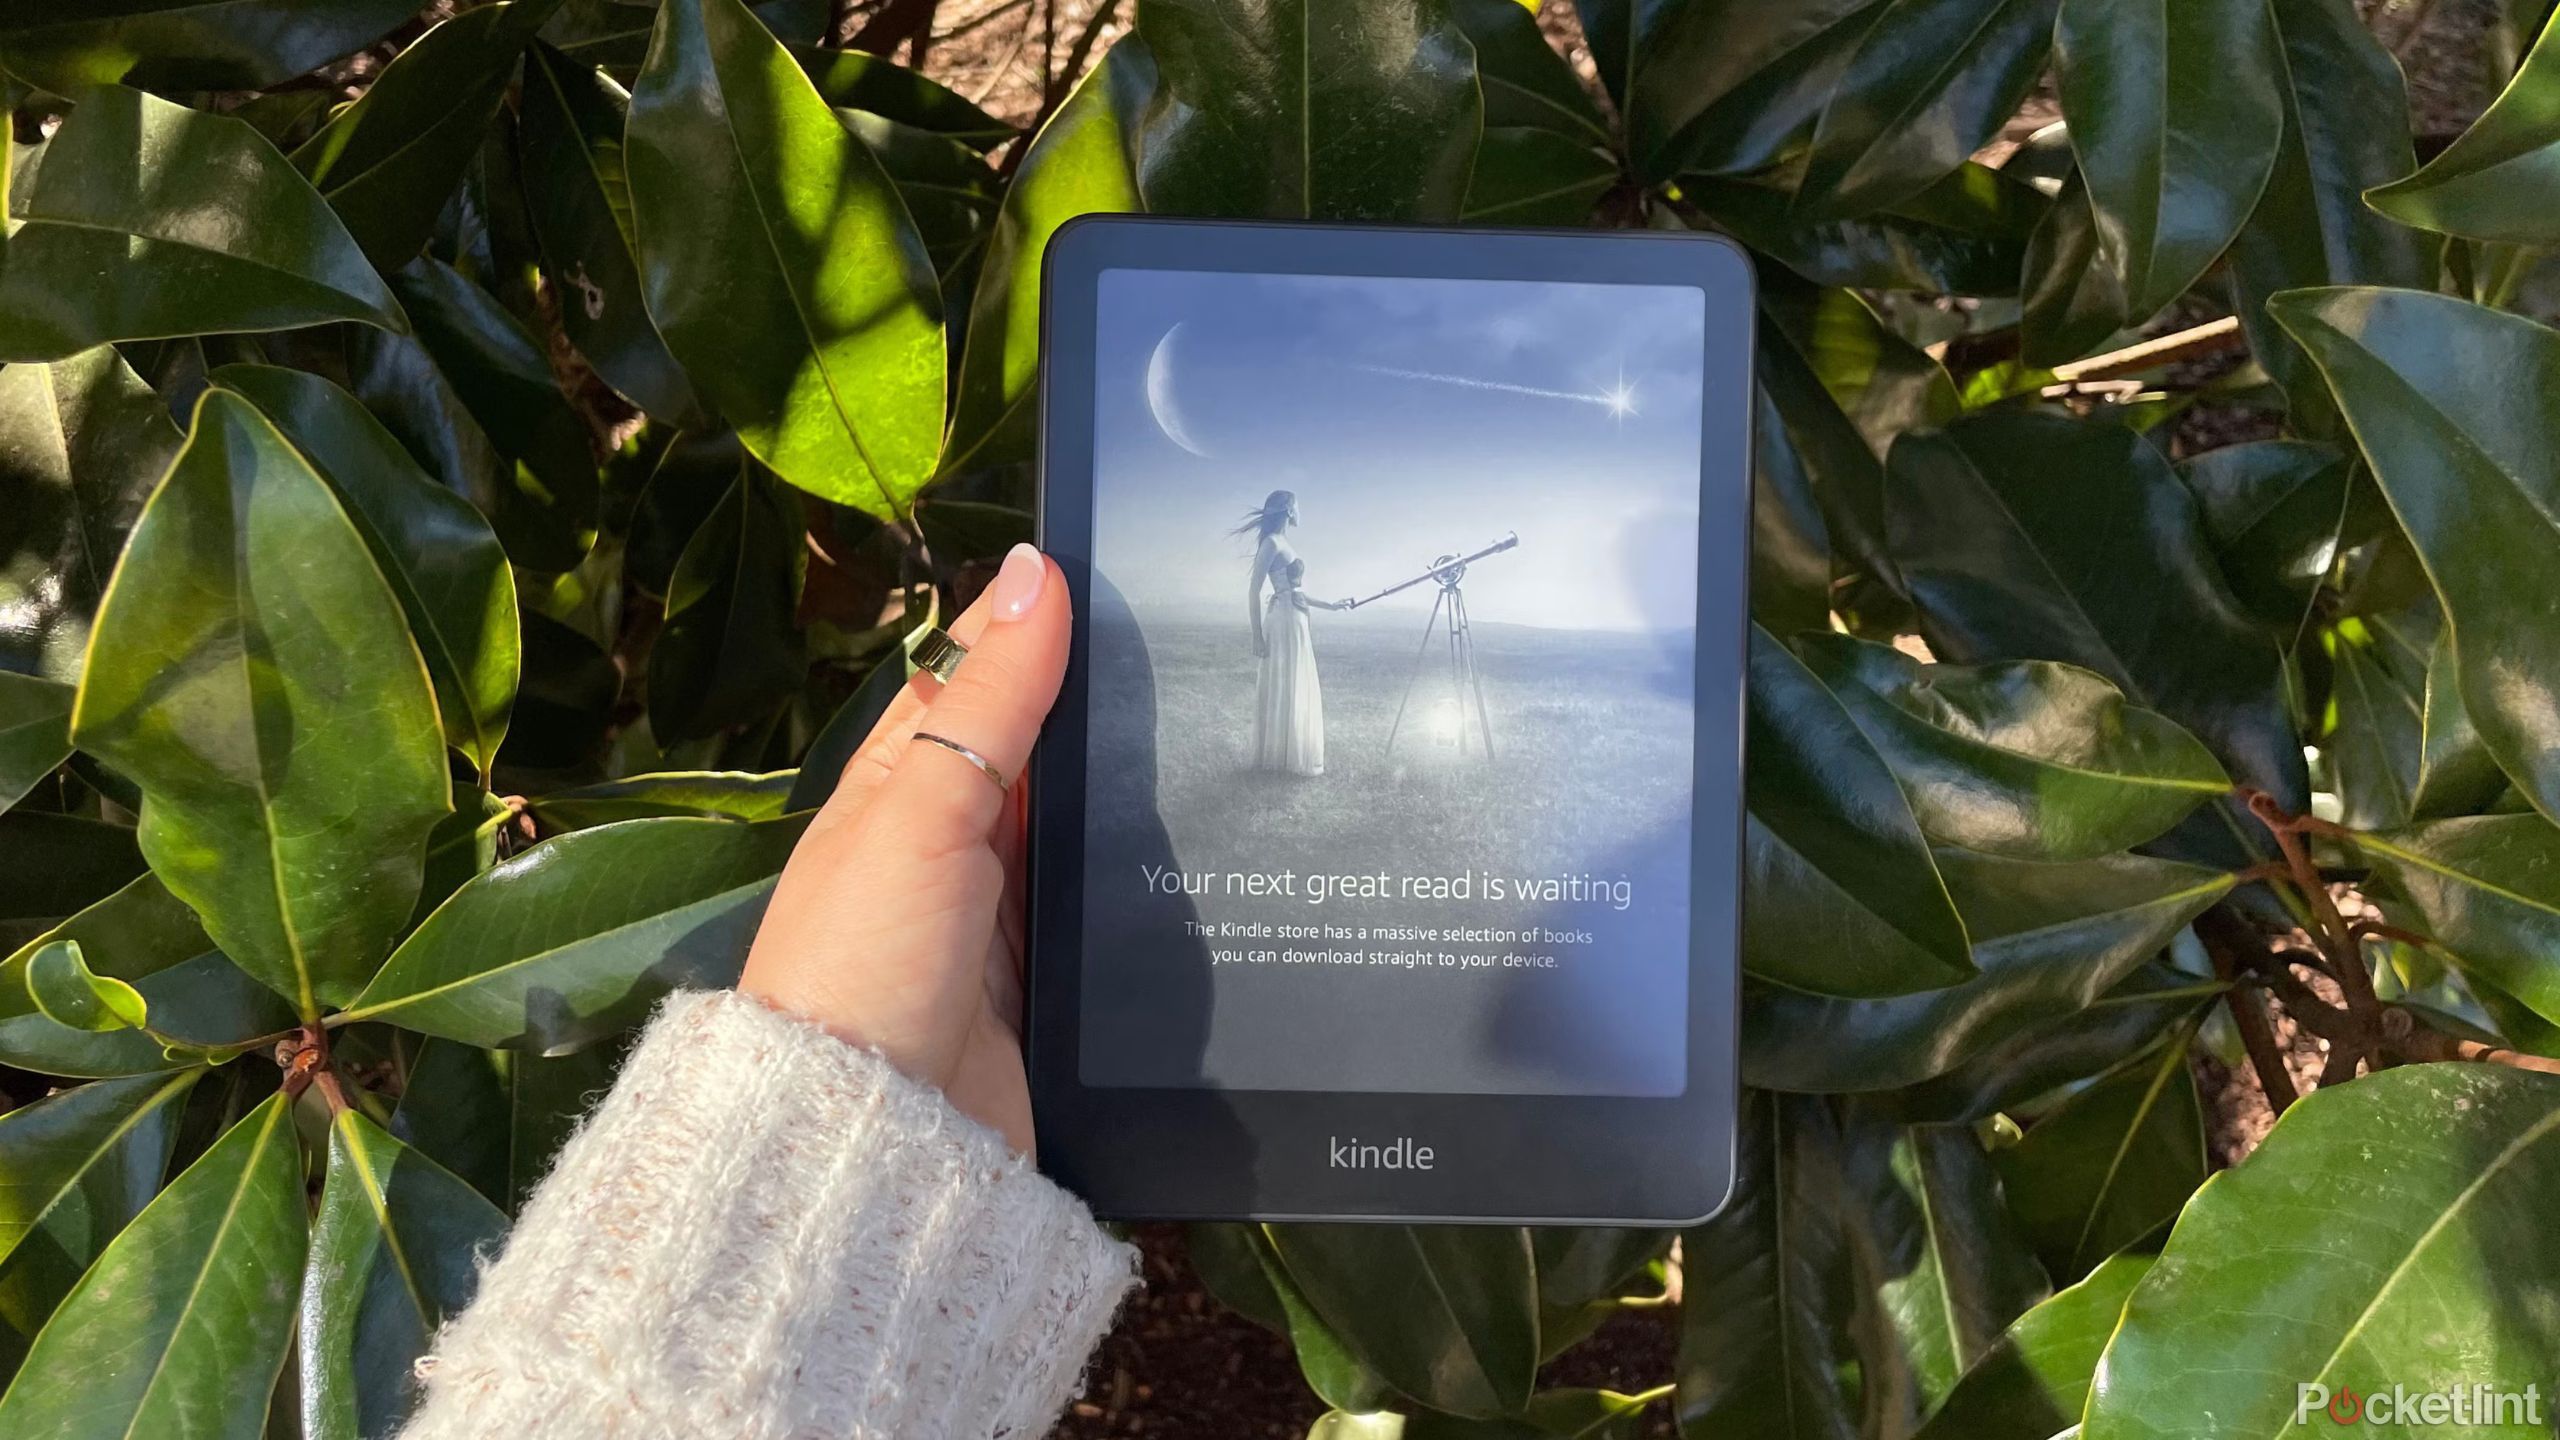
<point x="765" y="1232"/>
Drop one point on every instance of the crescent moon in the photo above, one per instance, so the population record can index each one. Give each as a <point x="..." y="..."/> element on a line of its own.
<point x="1160" y="397"/>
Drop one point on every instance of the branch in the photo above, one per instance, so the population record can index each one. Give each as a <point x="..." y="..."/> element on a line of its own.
<point x="2214" y="337"/>
<point x="2413" y="1038"/>
<point x="2224" y="939"/>
<point x="2346" y="955"/>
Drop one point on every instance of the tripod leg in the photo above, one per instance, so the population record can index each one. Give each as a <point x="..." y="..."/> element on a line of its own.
<point x="1416" y="675"/>
<point x="1458" y="663"/>
<point x="1475" y="682"/>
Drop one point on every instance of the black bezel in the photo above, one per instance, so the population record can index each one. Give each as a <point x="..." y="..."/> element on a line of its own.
<point x="1210" y="1154"/>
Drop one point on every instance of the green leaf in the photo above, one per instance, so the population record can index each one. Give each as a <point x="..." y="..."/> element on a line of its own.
<point x="856" y="80"/>
<point x="2030" y="759"/>
<point x="188" y="44"/>
<point x="1772" y="1325"/>
<point x="1578" y="1265"/>
<point x="59" y="863"/>
<point x="2071" y="303"/>
<point x="1526" y="83"/>
<point x="2031" y="536"/>
<point x="2049" y="940"/>
<point x="838" y="740"/>
<point x="2474" y="481"/>
<point x="2431" y="1188"/>
<point x="146" y="939"/>
<point x="780" y="264"/>
<point x="577" y="937"/>
<point x="1720" y="86"/>
<point x="2022" y="1068"/>
<point x="1959" y="1269"/>
<point x="2109" y="1165"/>
<point x="388" y="163"/>
<point x="2176" y="119"/>
<point x="2488" y="889"/>
<point x="1337" y="1374"/>
<point x="1930" y="83"/>
<point x="2271" y="510"/>
<point x="148" y="219"/>
<point x="580" y="207"/>
<point x="543" y="504"/>
<point x="1966" y="234"/>
<point x="182" y="1325"/>
<point x="2456" y="773"/>
<point x="2377" y="740"/>
<point x="1313" y="109"/>
<point x="1445" y="1314"/>
<point x="437" y="553"/>
<point x="2033" y="1384"/>
<point x="74" y="1170"/>
<point x="1844" y="898"/>
<point x="392" y="1254"/>
<point x="82" y="441"/>
<point x="731" y="794"/>
<point x="732" y="649"/>
<point x="285" y="737"/>
<point x="546" y="1097"/>
<point x="68" y="993"/>
<point x="950" y="190"/>
<point x="35" y="732"/>
<point x="1081" y="163"/>
<point x="2346" y="129"/>
<point x="2500" y="179"/>
<point x="1529" y="176"/>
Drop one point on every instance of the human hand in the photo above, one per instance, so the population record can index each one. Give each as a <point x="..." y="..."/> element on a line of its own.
<point x="898" y="924"/>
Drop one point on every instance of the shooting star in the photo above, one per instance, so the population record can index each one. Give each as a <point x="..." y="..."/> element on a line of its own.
<point x="1619" y="399"/>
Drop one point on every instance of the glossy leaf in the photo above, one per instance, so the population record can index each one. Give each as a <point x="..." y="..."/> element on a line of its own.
<point x="2032" y="536"/>
<point x="732" y="651"/>
<point x="439" y="556"/>
<point x="2049" y="940"/>
<point x="2176" y="119"/>
<point x="1333" y="1370"/>
<point x="580" y="207"/>
<point x="82" y="1163"/>
<point x="2271" y="511"/>
<point x="1529" y="176"/>
<point x="35" y="732"/>
<point x="949" y="189"/>
<point x="2033" y="1384"/>
<point x="2110" y="1164"/>
<point x="1845" y="899"/>
<point x="392" y="1257"/>
<point x="1959" y="1270"/>
<point x="188" y="44"/>
<point x="543" y="503"/>
<point x="575" y="938"/>
<point x="148" y="219"/>
<point x="287" y="802"/>
<point x="2488" y="889"/>
<point x="2431" y="1185"/>
<point x="858" y="80"/>
<point x="2032" y="1064"/>
<point x="68" y="993"/>
<point x="2456" y="773"/>
<point x="388" y="163"/>
<point x="59" y="863"/>
<point x="2498" y="181"/>
<point x="2030" y="759"/>
<point x="1966" y="234"/>
<point x="733" y="794"/>
<point x="182" y="1325"/>
<point x="1722" y="86"/>
<point x="456" y="1109"/>
<point x="2346" y="129"/>
<point x="2376" y="741"/>
<point x="1526" y="83"/>
<point x="2072" y="303"/>
<point x="1313" y="109"/>
<point x="546" y="1096"/>
<point x="144" y="938"/>
<point x="833" y="749"/>
<point x="780" y="264"/>
<point x="1081" y="163"/>
<point x="1446" y="1314"/>
<point x="82" y="441"/>
<point x="1932" y="80"/>
<point x="2474" y="481"/>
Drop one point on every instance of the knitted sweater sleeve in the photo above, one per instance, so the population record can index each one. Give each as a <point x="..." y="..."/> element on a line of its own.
<point x="763" y="1232"/>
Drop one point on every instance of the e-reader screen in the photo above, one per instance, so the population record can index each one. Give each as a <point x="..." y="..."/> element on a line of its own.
<point x="1393" y="660"/>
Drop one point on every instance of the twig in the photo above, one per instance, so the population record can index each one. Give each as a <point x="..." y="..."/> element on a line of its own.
<point x="894" y="24"/>
<point x="2225" y="938"/>
<point x="2412" y="1038"/>
<point x="2346" y="956"/>
<point x="2419" y="14"/>
<point x="1059" y="82"/>
<point x="2214" y="337"/>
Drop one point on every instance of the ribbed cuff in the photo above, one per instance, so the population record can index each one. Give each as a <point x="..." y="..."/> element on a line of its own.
<point x="766" y="1232"/>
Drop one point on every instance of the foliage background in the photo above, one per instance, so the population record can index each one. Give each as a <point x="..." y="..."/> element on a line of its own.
<point x="466" y="478"/>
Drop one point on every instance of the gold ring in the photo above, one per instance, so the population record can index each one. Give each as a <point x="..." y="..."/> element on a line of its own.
<point x="937" y="654"/>
<point x="965" y="753"/>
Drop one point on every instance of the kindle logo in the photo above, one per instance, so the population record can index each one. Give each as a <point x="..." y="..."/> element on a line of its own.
<point x="1397" y="1154"/>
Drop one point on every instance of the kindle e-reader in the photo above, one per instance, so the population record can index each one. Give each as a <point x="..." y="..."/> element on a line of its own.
<point x="1385" y="842"/>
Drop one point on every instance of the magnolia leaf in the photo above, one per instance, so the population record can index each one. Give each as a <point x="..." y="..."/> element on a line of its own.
<point x="1445" y="1314"/>
<point x="1721" y="86"/>
<point x="2498" y="180"/>
<point x="816" y="332"/>
<point x="189" y="1354"/>
<point x="143" y="938"/>
<point x="433" y="547"/>
<point x="1931" y="82"/>
<point x="394" y="1252"/>
<point x="732" y="650"/>
<point x="188" y="44"/>
<point x="148" y="219"/>
<point x="858" y="80"/>
<point x="35" y="732"/>
<point x="1959" y="1269"/>
<point x="2033" y="1384"/>
<point x="577" y="937"/>
<point x="2487" y="889"/>
<point x="68" y="993"/>
<point x="734" y="794"/>
<point x="2110" y="1164"/>
<point x="78" y="1165"/>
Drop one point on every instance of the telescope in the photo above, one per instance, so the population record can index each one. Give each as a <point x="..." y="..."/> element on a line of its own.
<point x="1451" y="604"/>
<point x="1448" y="569"/>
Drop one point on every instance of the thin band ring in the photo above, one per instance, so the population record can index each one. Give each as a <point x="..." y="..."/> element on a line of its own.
<point x="965" y="753"/>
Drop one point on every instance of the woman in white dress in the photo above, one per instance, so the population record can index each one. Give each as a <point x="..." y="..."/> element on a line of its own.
<point x="1288" y="709"/>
